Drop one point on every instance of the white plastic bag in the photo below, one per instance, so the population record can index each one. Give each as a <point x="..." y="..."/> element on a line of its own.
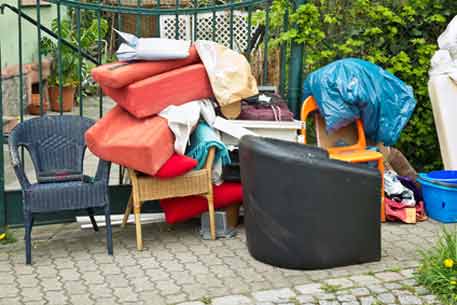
<point x="135" y="48"/>
<point x="393" y="187"/>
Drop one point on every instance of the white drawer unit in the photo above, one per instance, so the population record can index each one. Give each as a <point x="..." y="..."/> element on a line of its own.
<point x="283" y="130"/>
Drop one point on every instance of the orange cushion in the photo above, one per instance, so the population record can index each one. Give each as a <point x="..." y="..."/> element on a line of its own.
<point x="180" y="209"/>
<point x="121" y="74"/>
<point x="151" y="95"/>
<point x="144" y="145"/>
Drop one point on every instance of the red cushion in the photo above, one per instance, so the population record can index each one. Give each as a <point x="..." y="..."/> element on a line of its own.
<point x="180" y="209"/>
<point x="151" y="95"/>
<point x="121" y="74"/>
<point x="175" y="166"/>
<point x="144" y="145"/>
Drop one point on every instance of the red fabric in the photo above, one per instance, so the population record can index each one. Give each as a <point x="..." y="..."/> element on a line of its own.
<point x="151" y="95"/>
<point x="121" y="74"/>
<point x="180" y="209"/>
<point x="144" y="145"/>
<point x="396" y="211"/>
<point x="175" y="166"/>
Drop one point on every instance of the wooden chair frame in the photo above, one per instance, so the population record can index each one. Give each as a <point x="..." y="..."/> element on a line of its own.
<point x="145" y="188"/>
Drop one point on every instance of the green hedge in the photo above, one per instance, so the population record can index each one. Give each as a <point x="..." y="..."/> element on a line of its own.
<point x="399" y="35"/>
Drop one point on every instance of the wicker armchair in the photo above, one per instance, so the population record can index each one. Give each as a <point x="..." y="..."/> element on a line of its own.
<point x="145" y="188"/>
<point x="56" y="146"/>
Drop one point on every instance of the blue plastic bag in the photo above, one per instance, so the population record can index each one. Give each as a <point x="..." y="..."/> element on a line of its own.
<point x="348" y="89"/>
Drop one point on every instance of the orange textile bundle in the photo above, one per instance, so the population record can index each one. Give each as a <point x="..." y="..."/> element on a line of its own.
<point x="121" y="74"/>
<point x="144" y="145"/>
<point x="153" y="94"/>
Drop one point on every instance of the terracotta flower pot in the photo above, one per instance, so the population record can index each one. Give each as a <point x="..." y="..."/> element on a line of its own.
<point x="68" y="97"/>
<point x="34" y="107"/>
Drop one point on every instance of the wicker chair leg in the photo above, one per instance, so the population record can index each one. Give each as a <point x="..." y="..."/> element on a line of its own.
<point x="109" y="233"/>
<point x="212" y="224"/>
<point x="139" y="237"/>
<point x="127" y="212"/>
<point x="28" y="222"/>
<point x="91" y="213"/>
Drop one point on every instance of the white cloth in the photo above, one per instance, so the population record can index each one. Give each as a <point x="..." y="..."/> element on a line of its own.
<point x="183" y="119"/>
<point x="135" y="48"/>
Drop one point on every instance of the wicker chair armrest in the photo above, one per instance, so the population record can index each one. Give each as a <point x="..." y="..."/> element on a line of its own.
<point x="103" y="171"/>
<point x="17" y="164"/>
<point x="210" y="159"/>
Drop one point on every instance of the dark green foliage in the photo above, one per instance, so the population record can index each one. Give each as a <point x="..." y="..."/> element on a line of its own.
<point x="399" y="35"/>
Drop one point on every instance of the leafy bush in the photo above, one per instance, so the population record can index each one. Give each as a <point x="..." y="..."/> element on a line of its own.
<point x="89" y="33"/>
<point x="399" y="35"/>
<point x="438" y="268"/>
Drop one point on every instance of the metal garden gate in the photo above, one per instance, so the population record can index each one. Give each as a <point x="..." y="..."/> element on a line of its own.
<point x="85" y="47"/>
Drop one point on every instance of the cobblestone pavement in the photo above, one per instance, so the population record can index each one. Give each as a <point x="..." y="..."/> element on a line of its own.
<point x="177" y="267"/>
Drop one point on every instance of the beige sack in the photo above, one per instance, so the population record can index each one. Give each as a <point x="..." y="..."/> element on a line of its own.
<point x="229" y="74"/>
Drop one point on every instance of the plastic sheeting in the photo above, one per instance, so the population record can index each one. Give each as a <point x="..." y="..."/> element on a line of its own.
<point x="348" y="89"/>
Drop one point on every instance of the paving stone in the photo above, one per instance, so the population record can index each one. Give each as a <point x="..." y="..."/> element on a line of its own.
<point x="56" y="297"/>
<point x="232" y="300"/>
<point x="31" y="294"/>
<point x="340" y="282"/>
<point x="351" y="303"/>
<point x="276" y="295"/>
<point x="346" y="298"/>
<point x="80" y="299"/>
<point x="389" y="276"/>
<point x="309" y="289"/>
<point x="305" y="299"/>
<point x="358" y="292"/>
<point x="364" y="279"/>
<point x="409" y="300"/>
<point x="192" y="303"/>
<point x="368" y="301"/>
<point x="386" y="298"/>
<point x="329" y="302"/>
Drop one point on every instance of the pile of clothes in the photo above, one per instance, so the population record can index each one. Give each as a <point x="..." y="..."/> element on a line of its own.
<point x="403" y="199"/>
<point x="166" y="93"/>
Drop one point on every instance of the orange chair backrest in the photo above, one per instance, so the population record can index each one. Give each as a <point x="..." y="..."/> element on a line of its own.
<point x="310" y="106"/>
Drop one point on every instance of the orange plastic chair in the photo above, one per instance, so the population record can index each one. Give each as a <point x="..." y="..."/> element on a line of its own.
<point x="356" y="153"/>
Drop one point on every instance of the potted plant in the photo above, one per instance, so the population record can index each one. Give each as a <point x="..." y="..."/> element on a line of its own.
<point x="68" y="74"/>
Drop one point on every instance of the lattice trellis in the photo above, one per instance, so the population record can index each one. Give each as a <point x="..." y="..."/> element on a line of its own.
<point x="204" y="29"/>
<point x="168" y="27"/>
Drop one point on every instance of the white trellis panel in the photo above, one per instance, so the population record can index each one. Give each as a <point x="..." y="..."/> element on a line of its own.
<point x="168" y="27"/>
<point x="204" y="28"/>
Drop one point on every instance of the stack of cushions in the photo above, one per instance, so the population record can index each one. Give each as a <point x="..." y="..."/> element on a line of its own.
<point x="133" y="135"/>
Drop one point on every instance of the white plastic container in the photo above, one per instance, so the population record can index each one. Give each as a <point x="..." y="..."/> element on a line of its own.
<point x="443" y="94"/>
<point x="283" y="130"/>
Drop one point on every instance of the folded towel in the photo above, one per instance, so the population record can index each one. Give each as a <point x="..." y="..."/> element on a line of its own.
<point x="135" y="48"/>
<point x="203" y="138"/>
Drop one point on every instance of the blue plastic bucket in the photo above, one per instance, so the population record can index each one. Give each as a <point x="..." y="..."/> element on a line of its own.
<point x="440" y="199"/>
<point x="445" y="176"/>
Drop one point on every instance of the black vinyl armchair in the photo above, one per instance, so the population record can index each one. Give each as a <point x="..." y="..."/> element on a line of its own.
<point x="305" y="211"/>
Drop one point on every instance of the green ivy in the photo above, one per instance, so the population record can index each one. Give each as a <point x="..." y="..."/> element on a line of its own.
<point x="399" y="35"/>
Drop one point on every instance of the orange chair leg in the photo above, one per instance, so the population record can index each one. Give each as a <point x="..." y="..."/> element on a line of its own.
<point x="381" y="170"/>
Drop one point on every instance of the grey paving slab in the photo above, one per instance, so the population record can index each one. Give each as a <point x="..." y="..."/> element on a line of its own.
<point x="70" y="266"/>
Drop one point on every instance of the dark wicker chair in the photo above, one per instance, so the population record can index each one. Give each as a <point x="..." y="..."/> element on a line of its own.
<point x="56" y="146"/>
